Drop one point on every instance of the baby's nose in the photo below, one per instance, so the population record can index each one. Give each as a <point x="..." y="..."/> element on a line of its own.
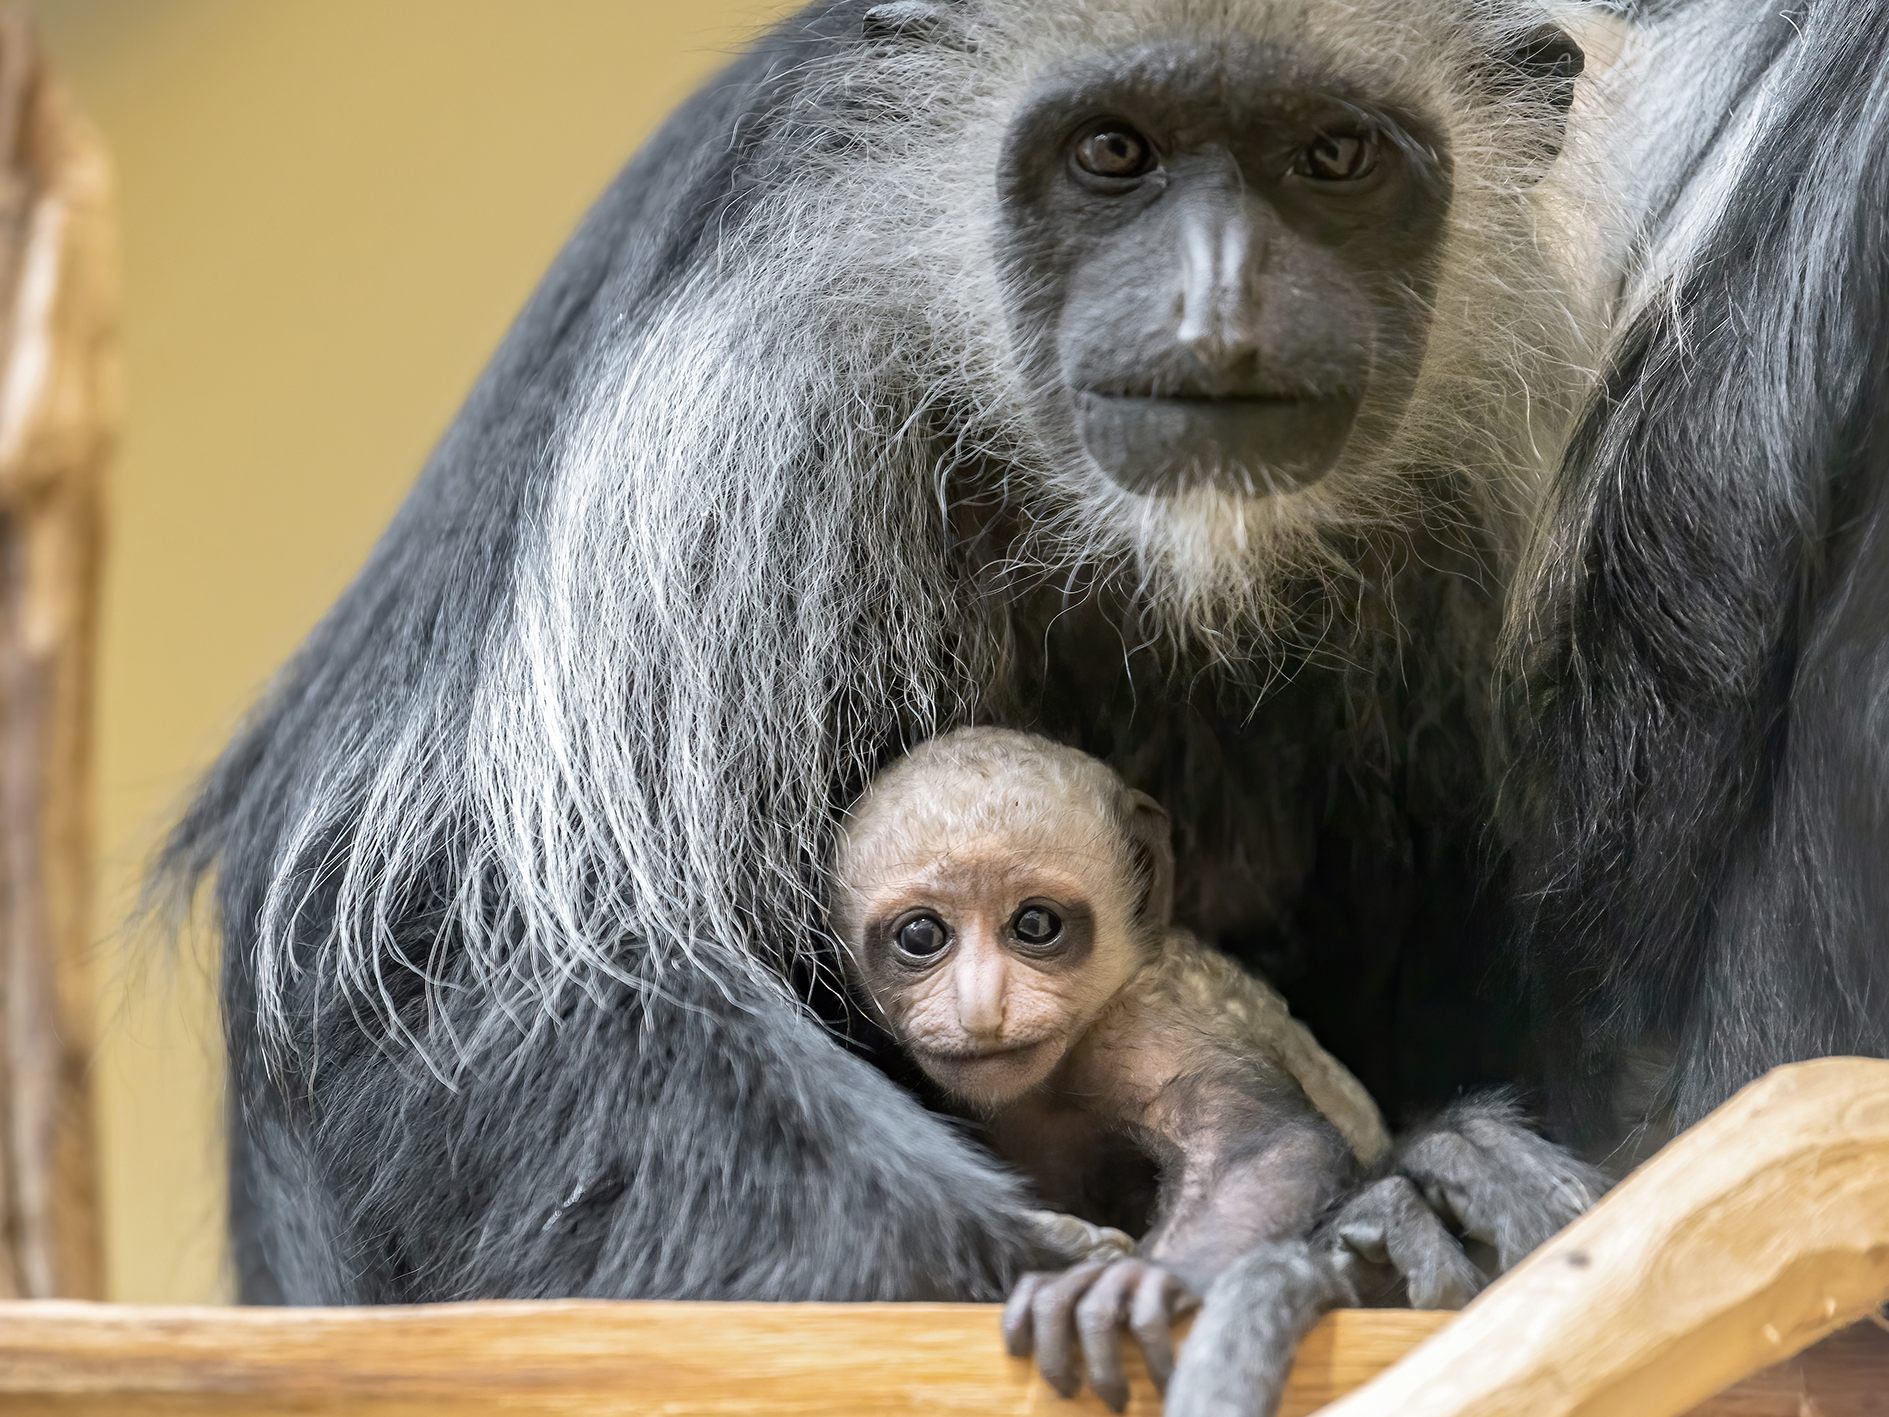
<point x="982" y="980"/>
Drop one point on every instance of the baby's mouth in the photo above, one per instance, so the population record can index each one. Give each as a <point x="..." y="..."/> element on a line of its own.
<point x="981" y="1054"/>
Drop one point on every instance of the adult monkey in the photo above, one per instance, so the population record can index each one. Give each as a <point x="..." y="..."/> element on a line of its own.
<point x="517" y="854"/>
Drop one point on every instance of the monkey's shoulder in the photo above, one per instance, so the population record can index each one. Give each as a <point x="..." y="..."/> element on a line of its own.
<point x="1187" y="1006"/>
<point x="1205" y="988"/>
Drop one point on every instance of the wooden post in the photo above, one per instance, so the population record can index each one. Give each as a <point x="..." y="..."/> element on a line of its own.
<point x="58" y="403"/>
<point x="1752" y="1236"/>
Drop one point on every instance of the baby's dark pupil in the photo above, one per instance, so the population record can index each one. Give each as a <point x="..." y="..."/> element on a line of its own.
<point x="924" y="935"/>
<point x="1037" y="926"/>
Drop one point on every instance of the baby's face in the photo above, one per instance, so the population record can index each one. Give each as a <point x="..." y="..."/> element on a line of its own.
<point x="986" y="967"/>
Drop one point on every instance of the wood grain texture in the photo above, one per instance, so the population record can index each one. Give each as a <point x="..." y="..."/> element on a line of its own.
<point x="58" y="408"/>
<point x="680" y="1360"/>
<point x="1752" y="1236"/>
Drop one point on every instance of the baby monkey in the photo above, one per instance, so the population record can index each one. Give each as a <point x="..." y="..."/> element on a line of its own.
<point x="1004" y="903"/>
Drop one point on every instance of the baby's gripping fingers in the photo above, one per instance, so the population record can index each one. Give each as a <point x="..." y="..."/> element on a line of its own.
<point x="1099" y="1318"/>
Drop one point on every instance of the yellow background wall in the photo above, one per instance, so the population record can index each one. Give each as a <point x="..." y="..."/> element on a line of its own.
<point x="330" y="210"/>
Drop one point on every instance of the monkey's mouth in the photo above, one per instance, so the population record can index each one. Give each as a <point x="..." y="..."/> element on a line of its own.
<point x="1256" y="444"/>
<point x="970" y="1057"/>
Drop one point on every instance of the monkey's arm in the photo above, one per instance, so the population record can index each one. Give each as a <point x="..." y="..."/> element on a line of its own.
<point x="1476" y="1172"/>
<point x="708" y="1141"/>
<point x="1195" y="991"/>
<point x="1247" y="1163"/>
<point x="1246" y="1160"/>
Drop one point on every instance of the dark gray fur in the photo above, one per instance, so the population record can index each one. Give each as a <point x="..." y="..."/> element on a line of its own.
<point x="704" y="1140"/>
<point x="1700" y="801"/>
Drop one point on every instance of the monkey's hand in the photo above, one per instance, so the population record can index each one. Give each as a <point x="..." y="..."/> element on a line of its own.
<point x="1240" y="1351"/>
<point x="1469" y="1195"/>
<point x="1072" y="1322"/>
<point x="1076" y="1240"/>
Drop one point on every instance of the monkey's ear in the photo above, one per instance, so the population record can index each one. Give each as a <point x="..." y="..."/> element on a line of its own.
<point x="1540" y="69"/>
<point x="1151" y="835"/>
<point x="917" y="21"/>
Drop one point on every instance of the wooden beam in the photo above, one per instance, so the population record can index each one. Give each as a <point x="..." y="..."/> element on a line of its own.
<point x="58" y="407"/>
<point x="681" y="1360"/>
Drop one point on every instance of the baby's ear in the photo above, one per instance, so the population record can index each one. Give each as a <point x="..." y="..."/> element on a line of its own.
<point x="1151" y="839"/>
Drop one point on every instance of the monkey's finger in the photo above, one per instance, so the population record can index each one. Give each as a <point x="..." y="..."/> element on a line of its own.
<point x="1437" y="1274"/>
<point x="1390" y="1235"/>
<point x="1447" y="1168"/>
<point x="1099" y="1318"/>
<point x="1503" y="1185"/>
<point x="1018" y="1334"/>
<point x="1391" y="1225"/>
<point x="1159" y="1300"/>
<point x="1474" y="1193"/>
<point x="1053" y="1312"/>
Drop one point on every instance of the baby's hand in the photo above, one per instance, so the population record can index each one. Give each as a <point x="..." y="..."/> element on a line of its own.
<point x="1072" y="1322"/>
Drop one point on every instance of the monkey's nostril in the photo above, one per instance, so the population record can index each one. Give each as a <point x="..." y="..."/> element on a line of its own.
<point x="1220" y="340"/>
<point x="1225" y="362"/>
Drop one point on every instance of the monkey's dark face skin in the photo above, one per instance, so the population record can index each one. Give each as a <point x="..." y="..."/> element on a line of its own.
<point x="1220" y="265"/>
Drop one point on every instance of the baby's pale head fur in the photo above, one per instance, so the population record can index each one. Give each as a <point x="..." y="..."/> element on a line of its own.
<point x="992" y="891"/>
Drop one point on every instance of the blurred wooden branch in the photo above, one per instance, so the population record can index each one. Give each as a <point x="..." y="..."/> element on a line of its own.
<point x="58" y="407"/>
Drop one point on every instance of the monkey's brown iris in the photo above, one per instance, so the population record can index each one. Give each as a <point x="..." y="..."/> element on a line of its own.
<point x="1116" y="151"/>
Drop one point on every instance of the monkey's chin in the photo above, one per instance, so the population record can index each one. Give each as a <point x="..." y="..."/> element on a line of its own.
<point x="991" y="1080"/>
<point x="1255" y="447"/>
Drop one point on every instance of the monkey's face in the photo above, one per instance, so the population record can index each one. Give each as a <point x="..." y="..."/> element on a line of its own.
<point x="1220" y="263"/>
<point x="988" y="970"/>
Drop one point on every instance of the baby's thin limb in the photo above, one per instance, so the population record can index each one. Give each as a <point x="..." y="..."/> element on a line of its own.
<point x="1072" y="1323"/>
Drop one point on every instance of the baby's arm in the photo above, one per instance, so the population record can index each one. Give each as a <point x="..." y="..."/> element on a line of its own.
<point x="1245" y="1160"/>
<point x="1186" y="1063"/>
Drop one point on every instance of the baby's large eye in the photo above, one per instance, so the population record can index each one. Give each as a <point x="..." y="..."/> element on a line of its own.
<point x="922" y="938"/>
<point x="1037" y="925"/>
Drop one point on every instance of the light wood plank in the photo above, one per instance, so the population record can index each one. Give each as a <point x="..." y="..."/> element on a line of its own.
<point x="681" y="1360"/>
<point x="678" y="1360"/>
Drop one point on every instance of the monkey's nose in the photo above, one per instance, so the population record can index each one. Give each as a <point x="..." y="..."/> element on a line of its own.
<point x="981" y="984"/>
<point x="1223" y="250"/>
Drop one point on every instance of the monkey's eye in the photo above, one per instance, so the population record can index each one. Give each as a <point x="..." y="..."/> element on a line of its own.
<point x="923" y="937"/>
<point x="1037" y="925"/>
<point x="1115" y="151"/>
<point x="1338" y="157"/>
